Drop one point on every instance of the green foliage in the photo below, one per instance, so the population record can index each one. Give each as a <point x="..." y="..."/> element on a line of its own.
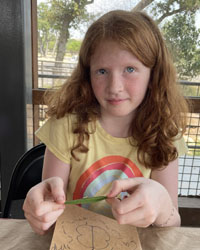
<point x="180" y="32"/>
<point x="162" y="9"/>
<point x="189" y="90"/>
<point x="72" y="10"/>
<point x="45" y="27"/>
<point x="182" y="36"/>
<point x="52" y="44"/>
<point x="55" y="17"/>
<point x="73" y="46"/>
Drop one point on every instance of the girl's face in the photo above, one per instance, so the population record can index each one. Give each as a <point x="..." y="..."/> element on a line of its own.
<point x="119" y="80"/>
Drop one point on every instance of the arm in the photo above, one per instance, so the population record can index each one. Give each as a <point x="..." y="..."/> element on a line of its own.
<point x="168" y="177"/>
<point x="45" y="201"/>
<point x="55" y="167"/>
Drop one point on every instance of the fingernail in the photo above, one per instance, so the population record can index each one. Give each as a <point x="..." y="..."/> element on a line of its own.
<point x="60" y="198"/>
<point x="108" y="201"/>
<point x="109" y="193"/>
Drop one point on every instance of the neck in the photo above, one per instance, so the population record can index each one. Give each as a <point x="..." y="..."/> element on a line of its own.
<point x="116" y="126"/>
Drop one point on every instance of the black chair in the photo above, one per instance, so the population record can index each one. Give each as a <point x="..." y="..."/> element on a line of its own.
<point x="27" y="173"/>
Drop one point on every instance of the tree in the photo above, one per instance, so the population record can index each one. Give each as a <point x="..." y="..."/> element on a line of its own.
<point x="171" y="15"/>
<point x="179" y="29"/>
<point x="57" y="17"/>
<point x="182" y="38"/>
<point x="166" y="8"/>
<point x="45" y="28"/>
<point x="67" y="14"/>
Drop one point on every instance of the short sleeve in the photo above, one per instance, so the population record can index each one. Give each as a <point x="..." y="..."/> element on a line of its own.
<point x="181" y="146"/>
<point x="56" y="134"/>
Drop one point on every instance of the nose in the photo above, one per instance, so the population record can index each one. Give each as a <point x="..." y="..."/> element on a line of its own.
<point x="115" y="83"/>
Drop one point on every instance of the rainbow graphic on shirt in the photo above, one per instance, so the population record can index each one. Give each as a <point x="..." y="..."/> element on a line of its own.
<point x="102" y="173"/>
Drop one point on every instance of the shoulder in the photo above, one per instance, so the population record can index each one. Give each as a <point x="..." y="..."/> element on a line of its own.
<point x="65" y="121"/>
<point x="53" y="127"/>
<point x="57" y="135"/>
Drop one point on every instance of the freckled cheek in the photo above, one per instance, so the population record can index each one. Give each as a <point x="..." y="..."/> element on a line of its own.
<point x="137" y="91"/>
<point x="98" y="89"/>
<point x="132" y="89"/>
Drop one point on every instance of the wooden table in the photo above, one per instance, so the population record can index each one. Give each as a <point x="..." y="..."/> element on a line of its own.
<point x="18" y="235"/>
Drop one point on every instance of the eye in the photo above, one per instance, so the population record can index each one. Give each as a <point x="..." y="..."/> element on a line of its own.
<point x="101" y="71"/>
<point x="129" y="69"/>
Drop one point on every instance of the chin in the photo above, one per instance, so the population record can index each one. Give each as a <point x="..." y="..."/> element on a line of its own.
<point x="121" y="114"/>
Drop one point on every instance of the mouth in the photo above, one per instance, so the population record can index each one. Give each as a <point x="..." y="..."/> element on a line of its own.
<point x="115" y="101"/>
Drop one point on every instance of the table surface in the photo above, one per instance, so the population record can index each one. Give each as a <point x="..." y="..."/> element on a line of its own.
<point x="18" y="235"/>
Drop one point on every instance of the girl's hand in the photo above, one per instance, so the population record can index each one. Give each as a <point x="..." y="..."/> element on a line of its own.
<point x="148" y="202"/>
<point x="44" y="203"/>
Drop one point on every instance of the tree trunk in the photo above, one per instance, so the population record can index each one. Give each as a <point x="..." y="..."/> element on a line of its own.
<point x="55" y="46"/>
<point x="47" y="45"/>
<point x="61" y="47"/>
<point x="41" y="46"/>
<point x="142" y="4"/>
<point x="62" y="40"/>
<point x="47" y="48"/>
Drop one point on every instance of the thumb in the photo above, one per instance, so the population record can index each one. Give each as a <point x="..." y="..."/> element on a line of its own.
<point x="56" y="186"/>
<point x="124" y="185"/>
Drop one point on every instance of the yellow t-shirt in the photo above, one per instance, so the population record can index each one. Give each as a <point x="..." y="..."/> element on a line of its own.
<point x="109" y="158"/>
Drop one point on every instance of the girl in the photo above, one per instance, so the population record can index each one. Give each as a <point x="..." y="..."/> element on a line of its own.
<point x="115" y="129"/>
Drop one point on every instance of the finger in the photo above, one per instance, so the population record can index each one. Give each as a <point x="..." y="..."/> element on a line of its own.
<point x="38" y="231"/>
<point x="42" y="229"/>
<point x="128" y="204"/>
<point x="56" y="186"/>
<point x="114" y="202"/>
<point x="43" y="223"/>
<point x="47" y="207"/>
<point x="123" y="185"/>
<point x="39" y="208"/>
<point x="135" y="218"/>
<point x="35" y="196"/>
<point x="52" y="216"/>
<point x="40" y="198"/>
<point x="36" y="224"/>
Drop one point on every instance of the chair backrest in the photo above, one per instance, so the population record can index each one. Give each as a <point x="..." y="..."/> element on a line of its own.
<point x="27" y="173"/>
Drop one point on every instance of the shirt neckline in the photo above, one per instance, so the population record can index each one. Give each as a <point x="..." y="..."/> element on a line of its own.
<point x="106" y="135"/>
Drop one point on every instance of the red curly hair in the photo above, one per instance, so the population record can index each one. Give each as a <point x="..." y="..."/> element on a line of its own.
<point x="162" y="114"/>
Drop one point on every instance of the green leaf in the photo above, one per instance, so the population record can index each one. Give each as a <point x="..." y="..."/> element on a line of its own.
<point x="87" y="200"/>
